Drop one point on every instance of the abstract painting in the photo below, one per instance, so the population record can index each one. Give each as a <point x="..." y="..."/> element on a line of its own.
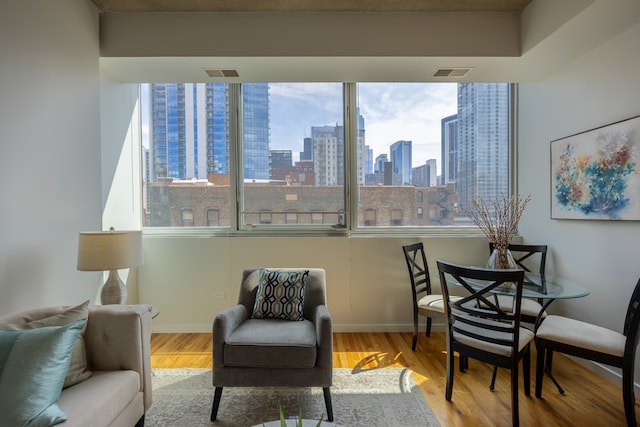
<point x="596" y="175"/>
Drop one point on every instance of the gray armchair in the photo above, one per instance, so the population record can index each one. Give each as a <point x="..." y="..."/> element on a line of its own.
<point x="250" y="352"/>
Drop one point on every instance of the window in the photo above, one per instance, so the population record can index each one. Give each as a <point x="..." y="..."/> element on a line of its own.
<point x="294" y="147"/>
<point x="322" y="156"/>
<point x="396" y="217"/>
<point x="265" y="217"/>
<point x="370" y="217"/>
<point x="213" y="217"/>
<point x="405" y="137"/>
<point x="291" y="217"/>
<point x="187" y="217"/>
<point x="317" y="217"/>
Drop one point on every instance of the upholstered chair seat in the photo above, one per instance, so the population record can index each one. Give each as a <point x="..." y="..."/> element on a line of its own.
<point x="281" y="343"/>
<point x="581" y="334"/>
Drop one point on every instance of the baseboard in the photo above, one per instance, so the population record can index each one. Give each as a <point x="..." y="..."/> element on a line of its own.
<point x="383" y="327"/>
<point x="605" y="372"/>
<point x="167" y="328"/>
<point x="182" y="328"/>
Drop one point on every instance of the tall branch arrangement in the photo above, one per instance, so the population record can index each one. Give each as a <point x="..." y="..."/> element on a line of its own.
<point x="498" y="218"/>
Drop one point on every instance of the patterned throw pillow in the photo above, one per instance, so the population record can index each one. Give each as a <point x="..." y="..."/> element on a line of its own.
<point x="280" y="295"/>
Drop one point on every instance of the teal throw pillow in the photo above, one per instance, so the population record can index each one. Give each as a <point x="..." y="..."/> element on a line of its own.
<point x="280" y="295"/>
<point x="33" y="366"/>
<point x="78" y="369"/>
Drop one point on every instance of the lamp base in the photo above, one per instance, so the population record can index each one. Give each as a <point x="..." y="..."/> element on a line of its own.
<point x="114" y="290"/>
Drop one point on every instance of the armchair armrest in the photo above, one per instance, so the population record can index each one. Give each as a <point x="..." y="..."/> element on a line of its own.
<point x="324" y="335"/>
<point x="118" y="337"/>
<point x="224" y="323"/>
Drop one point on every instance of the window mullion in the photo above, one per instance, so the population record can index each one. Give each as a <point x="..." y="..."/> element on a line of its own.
<point x="351" y="156"/>
<point x="236" y="172"/>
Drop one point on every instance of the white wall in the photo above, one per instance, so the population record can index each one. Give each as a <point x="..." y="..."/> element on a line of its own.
<point x="191" y="279"/>
<point x="596" y="89"/>
<point x="50" y="161"/>
<point x="121" y="164"/>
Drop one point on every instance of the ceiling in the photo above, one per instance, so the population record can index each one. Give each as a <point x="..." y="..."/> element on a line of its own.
<point x="114" y="6"/>
<point x="548" y="34"/>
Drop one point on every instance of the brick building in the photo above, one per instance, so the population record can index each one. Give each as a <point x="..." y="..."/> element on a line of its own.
<point x="206" y="203"/>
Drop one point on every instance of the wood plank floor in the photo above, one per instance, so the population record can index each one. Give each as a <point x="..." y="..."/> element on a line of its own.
<point x="589" y="400"/>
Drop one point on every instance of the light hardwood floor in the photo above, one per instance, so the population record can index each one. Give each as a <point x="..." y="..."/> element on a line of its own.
<point x="589" y="400"/>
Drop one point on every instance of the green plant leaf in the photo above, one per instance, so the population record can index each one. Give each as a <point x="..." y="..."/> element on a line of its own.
<point x="283" y="423"/>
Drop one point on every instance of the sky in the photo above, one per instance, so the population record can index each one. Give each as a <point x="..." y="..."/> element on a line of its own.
<point x="391" y="112"/>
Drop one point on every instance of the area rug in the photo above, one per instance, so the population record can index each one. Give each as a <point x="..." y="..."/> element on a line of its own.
<point x="368" y="398"/>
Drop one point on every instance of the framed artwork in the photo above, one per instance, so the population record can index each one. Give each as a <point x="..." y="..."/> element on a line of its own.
<point x="596" y="175"/>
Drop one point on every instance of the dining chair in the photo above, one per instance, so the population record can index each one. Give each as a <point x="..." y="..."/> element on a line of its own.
<point x="425" y="303"/>
<point x="478" y="328"/>
<point x="595" y="343"/>
<point x="526" y="257"/>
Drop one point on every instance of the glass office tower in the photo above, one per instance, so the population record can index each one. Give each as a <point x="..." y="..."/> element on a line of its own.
<point x="189" y="130"/>
<point x="483" y="141"/>
<point x="400" y="154"/>
<point x="449" y="155"/>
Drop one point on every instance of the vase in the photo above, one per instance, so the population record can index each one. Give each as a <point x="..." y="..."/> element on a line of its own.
<point x="501" y="259"/>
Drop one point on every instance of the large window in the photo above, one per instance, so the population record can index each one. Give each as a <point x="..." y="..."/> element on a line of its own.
<point x="322" y="156"/>
<point x="293" y="149"/>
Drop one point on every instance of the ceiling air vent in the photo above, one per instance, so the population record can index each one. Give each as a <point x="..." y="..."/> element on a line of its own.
<point x="452" y="72"/>
<point x="222" y="73"/>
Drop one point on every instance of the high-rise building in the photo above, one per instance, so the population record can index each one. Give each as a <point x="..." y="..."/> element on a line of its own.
<point x="379" y="163"/>
<point x="280" y="164"/>
<point x="328" y="154"/>
<point x="400" y="155"/>
<point x="361" y="149"/>
<point x="255" y="127"/>
<point x="449" y="154"/>
<point x="425" y="175"/>
<point x="307" y="154"/>
<point x="189" y="130"/>
<point x="280" y="158"/>
<point x="368" y="160"/>
<point x="483" y="141"/>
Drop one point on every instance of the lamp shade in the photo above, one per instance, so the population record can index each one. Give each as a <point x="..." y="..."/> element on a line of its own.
<point x="109" y="250"/>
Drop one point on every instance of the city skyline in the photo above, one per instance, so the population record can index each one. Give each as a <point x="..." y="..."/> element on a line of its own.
<point x="409" y="111"/>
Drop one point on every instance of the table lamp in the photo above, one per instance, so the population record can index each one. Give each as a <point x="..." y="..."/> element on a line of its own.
<point x="110" y="250"/>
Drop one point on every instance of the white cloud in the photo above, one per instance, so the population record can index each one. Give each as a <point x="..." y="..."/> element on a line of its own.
<point x="392" y="112"/>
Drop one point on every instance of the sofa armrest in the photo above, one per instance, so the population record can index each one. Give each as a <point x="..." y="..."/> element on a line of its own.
<point x="324" y="335"/>
<point x="224" y="323"/>
<point x="118" y="337"/>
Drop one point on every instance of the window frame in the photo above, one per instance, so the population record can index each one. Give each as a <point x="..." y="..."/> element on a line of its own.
<point x="351" y="186"/>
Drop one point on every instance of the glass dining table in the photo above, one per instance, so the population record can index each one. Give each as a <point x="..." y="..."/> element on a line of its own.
<point x="547" y="287"/>
<point x="539" y="286"/>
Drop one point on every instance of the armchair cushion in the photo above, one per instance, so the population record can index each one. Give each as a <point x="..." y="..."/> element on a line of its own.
<point x="33" y="365"/>
<point x="280" y="295"/>
<point x="272" y="343"/>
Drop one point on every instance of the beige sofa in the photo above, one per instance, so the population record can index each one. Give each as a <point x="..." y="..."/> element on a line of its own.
<point x="117" y="391"/>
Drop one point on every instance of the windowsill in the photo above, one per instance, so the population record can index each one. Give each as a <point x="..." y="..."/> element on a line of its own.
<point x="392" y="232"/>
